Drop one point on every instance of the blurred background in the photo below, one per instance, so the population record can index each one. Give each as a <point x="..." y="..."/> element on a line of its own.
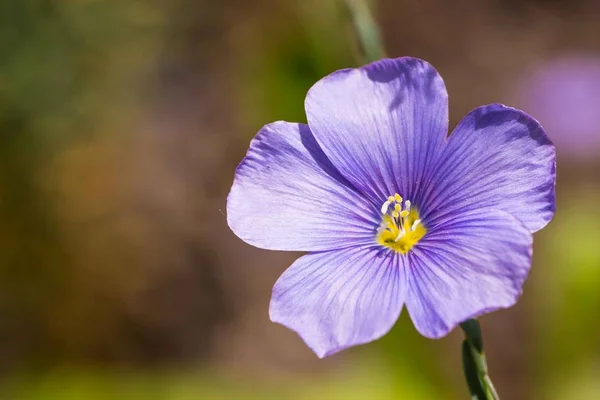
<point x="121" y="124"/>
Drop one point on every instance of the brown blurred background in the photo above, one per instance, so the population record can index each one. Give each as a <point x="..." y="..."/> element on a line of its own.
<point x="121" y="124"/>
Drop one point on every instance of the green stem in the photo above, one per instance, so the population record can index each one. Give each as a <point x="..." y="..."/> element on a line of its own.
<point x="475" y="365"/>
<point x="471" y="375"/>
<point x="366" y="30"/>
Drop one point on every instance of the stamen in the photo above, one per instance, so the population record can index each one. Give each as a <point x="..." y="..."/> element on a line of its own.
<point x="415" y="224"/>
<point x="385" y="206"/>
<point x="400" y="234"/>
<point x="400" y="227"/>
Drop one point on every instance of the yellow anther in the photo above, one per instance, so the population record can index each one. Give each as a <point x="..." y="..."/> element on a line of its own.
<point x="397" y="207"/>
<point x="398" y="198"/>
<point x="404" y="213"/>
<point x="395" y="214"/>
<point x="391" y="199"/>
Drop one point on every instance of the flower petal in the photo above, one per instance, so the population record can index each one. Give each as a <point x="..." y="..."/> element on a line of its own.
<point x="286" y="195"/>
<point x="382" y="124"/>
<point x="339" y="299"/>
<point x="469" y="266"/>
<point x="497" y="157"/>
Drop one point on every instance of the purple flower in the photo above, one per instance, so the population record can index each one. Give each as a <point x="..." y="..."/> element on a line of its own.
<point x="564" y="95"/>
<point x="391" y="211"/>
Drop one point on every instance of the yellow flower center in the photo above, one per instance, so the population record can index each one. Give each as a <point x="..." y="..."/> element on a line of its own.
<point x="400" y="227"/>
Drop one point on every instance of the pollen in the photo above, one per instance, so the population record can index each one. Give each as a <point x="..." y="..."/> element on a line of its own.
<point x="401" y="228"/>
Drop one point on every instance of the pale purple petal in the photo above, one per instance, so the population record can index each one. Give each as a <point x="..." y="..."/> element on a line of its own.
<point x="287" y="196"/>
<point x="563" y="95"/>
<point x="473" y="264"/>
<point x="338" y="299"/>
<point x="382" y="124"/>
<point x="497" y="157"/>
